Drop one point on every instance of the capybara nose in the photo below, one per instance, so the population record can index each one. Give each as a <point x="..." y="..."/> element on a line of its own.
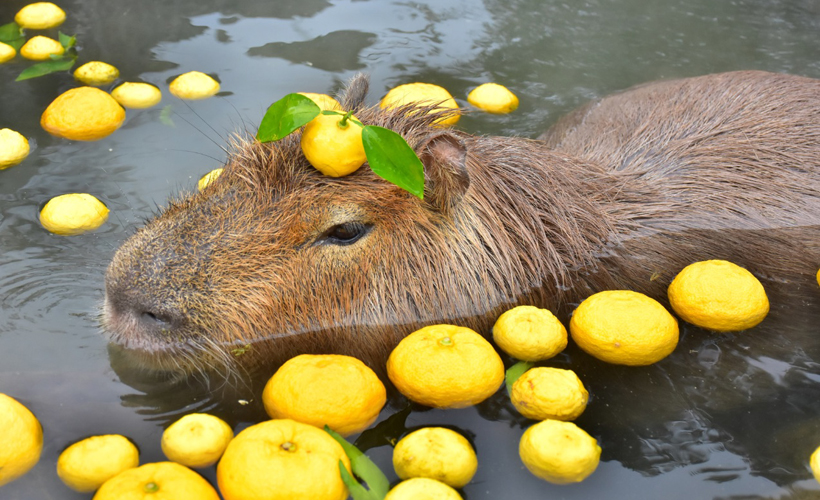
<point x="155" y="320"/>
<point x="139" y="317"/>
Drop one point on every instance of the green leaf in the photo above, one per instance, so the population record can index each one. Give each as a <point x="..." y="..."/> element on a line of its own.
<point x="363" y="467"/>
<point x="357" y="491"/>
<point x="10" y="31"/>
<point x="165" y="116"/>
<point x="286" y="115"/>
<point x="515" y="371"/>
<point x="67" y="41"/>
<point x="392" y="159"/>
<point x="45" y="68"/>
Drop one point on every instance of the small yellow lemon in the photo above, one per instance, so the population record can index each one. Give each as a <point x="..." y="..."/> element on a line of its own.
<point x="624" y="327"/>
<point x="96" y="73"/>
<point x="445" y="366"/>
<point x="324" y="101"/>
<point x="543" y="393"/>
<point x="559" y="452"/>
<point x="157" y="481"/>
<point x="86" y="465"/>
<point x="21" y="439"/>
<point x="196" y="440"/>
<point x="40" y="48"/>
<point x="137" y="95"/>
<point x="40" y="16"/>
<point x="7" y="52"/>
<point x="422" y="488"/>
<point x="718" y="295"/>
<point x="529" y="333"/>
<point x="208" y="178"/>
<point x="818" y="276"/>
<point x="72" y="214"/>
<point x="83" y="114"/>
<point x="436" y="453"/>
<point x="493" y="98"/>
<point x="331" y="389"/>
<point x="14" y="148"/>
<point x="333" y="148"/>
<point x="282" y="460"/>
<point x="814" y="463"/>
<point x="423" y="94"/>
<point x="194" y="85"/>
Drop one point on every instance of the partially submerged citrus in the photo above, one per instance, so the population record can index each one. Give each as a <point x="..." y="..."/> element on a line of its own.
<point x="814" y="463"/>
<point x="96" y="73"/>
<point x="83" y="114"/>
<point x="529" y="333"/>
<point x="86" y="465"/>
<point x="332" y="147"/>
<point x="21" y="439"/>
<point x="40" y="16"/>
<point x="72" y="214"/>
<point x="137" y="95"/>
<point x="208" y="178"/>
<point x="41" y="48"/>
<point x="324" y="101"/>
<point x="14" y="148"/>
<point x="445" y="366"/>
<point x="7" y="52"/>
<point x="196" y="440"/>
<point x="559" y="452"/>
<point x="718" y="295"/>
<point x="422" y="488"/>
<point x="542" y="393"/>
<point x="624" y="327"/>
<point x="493" y="98"/>
<point x="157" y="481"/>
<point x="194" y="85"/>
<point x="282" y="460"/>
<point x="436" y="453"/>
<point x="423" y="94"/>
<point x="329" y="389"/>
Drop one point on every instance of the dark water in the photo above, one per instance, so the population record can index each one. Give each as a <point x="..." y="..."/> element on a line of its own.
<point x="733" y="416"/>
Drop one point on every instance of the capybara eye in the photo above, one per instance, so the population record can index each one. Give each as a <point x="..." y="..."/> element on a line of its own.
<point x="344" y="234"/>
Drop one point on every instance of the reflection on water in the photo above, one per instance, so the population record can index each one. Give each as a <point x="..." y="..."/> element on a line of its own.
<point x="725" y="416"/>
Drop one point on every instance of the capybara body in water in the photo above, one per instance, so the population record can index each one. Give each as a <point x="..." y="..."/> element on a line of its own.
<point x="275" y="259"/>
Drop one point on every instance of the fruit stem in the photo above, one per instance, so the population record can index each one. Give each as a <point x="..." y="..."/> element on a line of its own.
<point x="445" y="341"/>
<point x="342" y="124"/>
<point x="288" y="446"/>
<point x="151" y="487"/>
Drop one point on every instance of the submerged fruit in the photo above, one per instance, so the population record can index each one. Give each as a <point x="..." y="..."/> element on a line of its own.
<point x="72" y="214"/>
<point x="96" y="73"/>
<point x="137" y="95"/>
<point x="436" y="453"/>
<point x="332" y="147"/>
<point x="209" y="178"/>
<point x="559" y="452"/>
<point x="7" y="52"/>
<point x="718" y="295"/>
<point x="529" y="333"/>
<point x="543" y="393"/>
<point x="422" y="488"/>
<point x="21" y="439"/>
<point x="194" y="85"/>
<point x="423" y="94"/>
<point x="41" y="48"/>
<point x="157" y="481"/>
<point x="493" y="98"/>
<point x="196" y="440"/>
<point x="624" y="327"/>
<point x="83" y="114"/>
<point x="40" y="16"/>
<point x="14" y="148"/>
<point x="86" y="465"/>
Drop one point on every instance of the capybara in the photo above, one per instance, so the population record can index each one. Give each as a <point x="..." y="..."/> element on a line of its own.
<point x="275" y="259"/>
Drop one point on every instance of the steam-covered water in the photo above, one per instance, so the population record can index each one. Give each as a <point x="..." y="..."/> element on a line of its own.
<point x="732" y="416"/>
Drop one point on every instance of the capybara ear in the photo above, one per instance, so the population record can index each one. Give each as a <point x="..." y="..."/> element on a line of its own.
<point x="355" y="92"/>
<point x="446" y="180"/>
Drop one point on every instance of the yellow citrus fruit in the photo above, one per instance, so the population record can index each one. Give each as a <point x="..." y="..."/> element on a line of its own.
<point x="83" y="114"/>
<point x="436" y="453"/>
<point x="39" y="48"/>
<point x="96" y="73"/>
<point x="282" y="460"/>
<point x="529" y="333"/>
<point x="493" y="98"/>
<point x="543" y="393"/>
<point x="194" y="85"/>
<point x="718" y="295"/>
<point x="40" y="16"/>
<point x="72" y="214"/>
<point x="422" y="488"/>
<point x="7" y="52"/>
<point x="324" y="101"/>
<point x="445" y="366"/>
<point x="86" y="465"/>
<point x="333" y="149"/>
<point x="559" y="452"/>
<point x="624" y="327"/>
<point x="423" y="94"/>
<point x="137" y="95"/>
<point x="818" y="276"/>
<point x="157" y="481"/>
<point x="196" y="440"/>
<point x="13" y="148"/>
<point x="21" y="439"/>
<point x="329" y="389"/>
<point x="814" y="462"/>
<point x="208" y="178"/>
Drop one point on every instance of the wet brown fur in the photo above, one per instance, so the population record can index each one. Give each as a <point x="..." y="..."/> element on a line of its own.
<point x="622" y="193"/>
